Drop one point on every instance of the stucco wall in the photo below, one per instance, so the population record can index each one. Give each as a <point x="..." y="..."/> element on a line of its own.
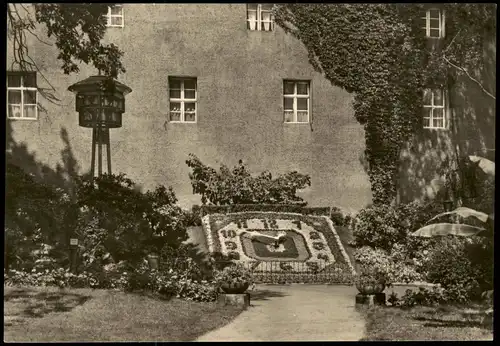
<point x="240" y="80"/>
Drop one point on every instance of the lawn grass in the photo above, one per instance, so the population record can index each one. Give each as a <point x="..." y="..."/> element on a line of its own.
<point x="52" y="314"/>
<point x="426" y="324"/>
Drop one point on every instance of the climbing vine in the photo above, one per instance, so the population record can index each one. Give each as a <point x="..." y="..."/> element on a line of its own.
<point x="379" y="52"/>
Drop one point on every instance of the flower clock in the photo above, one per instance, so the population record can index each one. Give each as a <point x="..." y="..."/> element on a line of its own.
<point x="261" y="237"/>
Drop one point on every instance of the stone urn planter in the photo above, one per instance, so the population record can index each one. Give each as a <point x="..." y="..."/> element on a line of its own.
<point x="370" y="284"/>
<point x="234" y="287"/>
<point x="368" y="289"/>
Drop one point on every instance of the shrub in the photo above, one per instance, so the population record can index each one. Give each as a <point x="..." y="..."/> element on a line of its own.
<point x="384" y="226"/>
<point x="119" y="221"/>
<point x="235" y="273"/>
<point x="451" y="266"/>
<point x="424" y="296"/>
<point x="238" y="186"/>
<point x="380" y="260"/>
<point x="339" y="218"/>
<point x="35" y="214"/>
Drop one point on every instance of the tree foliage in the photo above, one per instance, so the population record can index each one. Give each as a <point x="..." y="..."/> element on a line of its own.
<point x="77" y="30"/>
<point x="379" y="53"/>
<point x="238" y="186"/>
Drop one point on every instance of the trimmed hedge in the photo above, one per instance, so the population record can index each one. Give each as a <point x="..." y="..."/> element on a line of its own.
<point x="278" y="208"/>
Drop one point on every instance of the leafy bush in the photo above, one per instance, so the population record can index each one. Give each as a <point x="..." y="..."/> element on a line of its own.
<point x="235" y="273"/>
<point x="424" y="296"/>
<point x="238" y="186"/>
<point x="384" y="226"/>
<point x="381" y="261"/>
<point x="34" y="214"/>
<point x="119" y="221"/>
<point x="339" y="218"/>
<point x="453" y="264"/>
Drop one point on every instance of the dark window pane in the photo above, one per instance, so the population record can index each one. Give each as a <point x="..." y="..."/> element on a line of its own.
<point x="175" y="107"/>
<point x="438" y="98"/>
<point x="190" y="84"/>
<point x="437" y="123"/>
<point x="189" y="94"/>
<point x="438" y="113"/>
<point x="288" y="116"/>
<point x="289" y="88"/>
<point x="434" y="33"/>
<point x="434" y="23"/>
<point x="14" y="96"/>
<point x="175" y="94"/>
<point x="427" y="122"/>
<point x="29" y="96"/>
<point x="29" y="80"/>
<point x="175" y="116"/>
<point x="117" y="21"/>
<point x="175" y="84"/>
<point x="117" y="10"/>
<point x="302" y="104"/>
<point x="426" y="112"/>
<point x="189" y="106"/>
<point x="29" y="111"/>
<point x="302" y="88"/>
<point x="190" y="116"/>
<point x="427" y="97"/>
<point x="302" y="117"/>
<point x="435" y="14"/>
<point x="14" y="111"/>
<point x="14" y="81"/>
<point x="288" y="103"/>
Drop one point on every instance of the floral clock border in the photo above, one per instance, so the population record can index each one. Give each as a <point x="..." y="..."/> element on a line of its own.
<point x="323" y="231"/>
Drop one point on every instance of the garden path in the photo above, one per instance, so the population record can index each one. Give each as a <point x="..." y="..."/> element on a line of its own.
<point x="295" y="313"/>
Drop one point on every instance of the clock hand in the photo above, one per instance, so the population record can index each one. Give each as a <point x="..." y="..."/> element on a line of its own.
<point x="254" y="235"/>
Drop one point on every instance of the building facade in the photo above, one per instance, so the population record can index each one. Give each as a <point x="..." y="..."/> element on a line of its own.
<point x="221" y="81"/>
<point x="204" y="81"/>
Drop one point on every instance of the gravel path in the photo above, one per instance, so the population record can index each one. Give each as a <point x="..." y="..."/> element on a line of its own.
<point x="295" y="313"/>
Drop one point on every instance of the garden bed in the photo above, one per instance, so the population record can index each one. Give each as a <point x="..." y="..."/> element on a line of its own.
<point x="310" y="239"/>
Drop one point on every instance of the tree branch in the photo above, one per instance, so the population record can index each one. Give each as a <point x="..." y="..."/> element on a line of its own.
<point x="470" y="77"/>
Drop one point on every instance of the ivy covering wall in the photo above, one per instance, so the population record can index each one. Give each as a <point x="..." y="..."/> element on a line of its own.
<point x="380" y="53"/>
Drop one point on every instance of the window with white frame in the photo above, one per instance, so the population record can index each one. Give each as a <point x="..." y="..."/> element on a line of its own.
<point x="434" y="23"/>
<point x="182" y="99"/>
<point x="296" y="101"/>
<point x="260" y="17"/>
<point x="435" y="109"/>
<point x="115" y="16"/>
<point x="22" y="95"/>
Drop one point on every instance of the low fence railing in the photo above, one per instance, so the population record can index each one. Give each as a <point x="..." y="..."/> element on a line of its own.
<point x="298" y="272"/>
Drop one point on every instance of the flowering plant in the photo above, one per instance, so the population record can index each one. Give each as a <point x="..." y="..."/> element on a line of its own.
<point x="372" y="276"/>
<point x="235" y="273"/>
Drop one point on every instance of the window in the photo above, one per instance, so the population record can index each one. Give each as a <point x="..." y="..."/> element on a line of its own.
<point x="434" y="23"/>
<point x="296" y="101"/>
<point x="182" y="99"/>
<point x="115" y="16"/>
<point x="259" y="17"/>
<point x="22" y="95"/>
<point x="435" y="109"/>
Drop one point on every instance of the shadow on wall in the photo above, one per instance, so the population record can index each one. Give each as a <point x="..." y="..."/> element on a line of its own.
<point x="64" y="174"/>
<point x="472" y="132"/>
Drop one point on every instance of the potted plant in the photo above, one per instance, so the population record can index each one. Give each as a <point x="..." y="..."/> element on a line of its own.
<point x="371" y="281"/>
<point x="234" y="279"/>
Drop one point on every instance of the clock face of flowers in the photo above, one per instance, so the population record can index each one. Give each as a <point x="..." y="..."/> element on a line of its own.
<point x="274" y="237"/>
